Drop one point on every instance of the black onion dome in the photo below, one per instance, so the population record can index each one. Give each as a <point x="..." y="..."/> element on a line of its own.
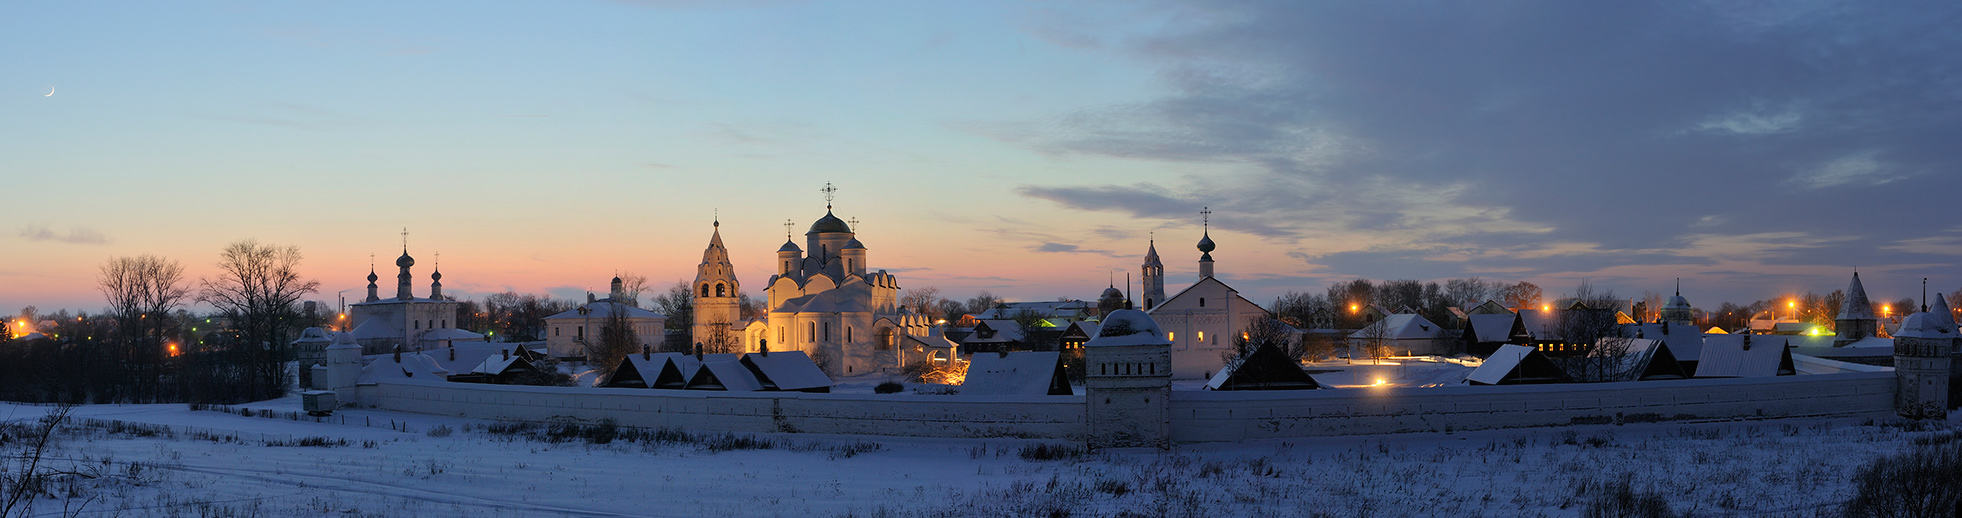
<point x="829" y="224"/>
<point x="372" y="277"/>
<point x="1206" y="243"/>
<point x="405" y="261"/>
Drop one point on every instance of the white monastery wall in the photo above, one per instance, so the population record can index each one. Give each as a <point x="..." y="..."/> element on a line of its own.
<point x="1200" y="416"/>
<point x="1035" y="417"/>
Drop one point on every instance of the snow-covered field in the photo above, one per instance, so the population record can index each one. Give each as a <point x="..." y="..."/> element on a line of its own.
<point x="390" y="464"/>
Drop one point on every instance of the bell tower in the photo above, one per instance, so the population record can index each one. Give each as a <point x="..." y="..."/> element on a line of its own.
<point x="717" y="303"/>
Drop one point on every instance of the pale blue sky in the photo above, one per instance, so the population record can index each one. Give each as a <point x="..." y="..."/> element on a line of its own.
<point x="1021" y="147"/>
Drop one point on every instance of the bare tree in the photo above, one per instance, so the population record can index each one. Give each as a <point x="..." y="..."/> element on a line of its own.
<point x="720" y="338"/>
<point x="632" y="285"/>
<point x="678" y="304"/>
<point x="1522" y="295"/>
<point x="1591" y="324"/>
<point x="750" y="308"/>
<point x="982" y="302"/>
<point x="257" y="289"/>
<point x="617" y="339"/>
<point x="1373" y="339"/>
<point x="1263" y="330"/>
<point x="920" y="300"/>
<point x="141" y="291"/>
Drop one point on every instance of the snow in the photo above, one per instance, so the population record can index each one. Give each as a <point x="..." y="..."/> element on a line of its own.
<point x="788" y="370"/>
<point x="1795" y="467"/>
<point x="1127" y="327"/>
<point x="1026" y="373"/>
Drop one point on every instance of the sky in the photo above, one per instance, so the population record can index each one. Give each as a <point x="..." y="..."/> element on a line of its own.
<point x="1031" y="149"/>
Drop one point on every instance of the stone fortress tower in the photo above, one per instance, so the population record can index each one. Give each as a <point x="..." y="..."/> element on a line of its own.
<point x="1128" y="383"/>
<point x="1856" y="320"/>
<point x="1924" y="350"/>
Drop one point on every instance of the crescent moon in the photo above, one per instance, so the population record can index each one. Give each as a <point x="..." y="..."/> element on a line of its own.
<point x="51" y="92"/>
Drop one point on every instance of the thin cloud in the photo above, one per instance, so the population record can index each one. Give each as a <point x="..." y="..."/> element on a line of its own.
<point x="75" y="235"/>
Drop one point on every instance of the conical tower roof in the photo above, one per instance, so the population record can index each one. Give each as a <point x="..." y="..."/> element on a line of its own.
<point x="1856" y="307"/>
<point x="1938" y="310"/>
<point x="1151" y="254"/>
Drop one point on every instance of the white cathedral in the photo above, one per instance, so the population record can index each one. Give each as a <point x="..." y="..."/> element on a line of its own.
<point x="828" y="304"/>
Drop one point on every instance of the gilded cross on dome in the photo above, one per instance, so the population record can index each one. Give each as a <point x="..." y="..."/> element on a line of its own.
<point x="828" y="191"/>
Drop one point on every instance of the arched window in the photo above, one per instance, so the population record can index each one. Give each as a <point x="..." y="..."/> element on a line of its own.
<point x="1202" y="302"/>
<point x="720" y="290"/>
<point x="812" y="332"/>
<point x="705" y="289"/>
<point x="848" y="334"/>
<point x="827" y="331"/>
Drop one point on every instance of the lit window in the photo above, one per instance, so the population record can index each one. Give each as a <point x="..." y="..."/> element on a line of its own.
<point x="1170" y="336"/>
<point x="1202" y="335"/>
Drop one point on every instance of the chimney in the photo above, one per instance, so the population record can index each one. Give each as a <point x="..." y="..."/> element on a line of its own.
<point x="765" y="348"/>
<point x="398" y="353"/>
<point x="1747" y="342"/>
<point x="698" y="352"/>
<point x="507" y="353"/>
<point x="452" y="353"/>
<point x="646" y="353"/>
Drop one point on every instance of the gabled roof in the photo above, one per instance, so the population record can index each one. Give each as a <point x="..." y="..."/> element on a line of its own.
<point x="1400" y="326"/>
<point x="1516" y="364"/>
<point x="1649" y="359"/>
<point x="413" y="366"/>
<point x="1083" y="328"/>
<point x="1542" y="324"/>
<point x="500" y="364"/>
<point x="451" y="334"/>
<point x="604" y="309"/>
<point x="1050" y="309"/>
<point x="1492" y="327"/>
<point x="1028" y="373"/>
<point x="374" y="328"/>
<point x="935" y="340"/>
<point x="729" y="375"/>
<point x="1266" y="368"/>
<point x="787" y="370"/>
<point x="1202" y="281"/>
<point x="1744" y="356"/>
<point x="1686" y="342"/>
<point x="1489" y="307"/>
<point x="1003" y="331"/>
<point x="645" y="371"/>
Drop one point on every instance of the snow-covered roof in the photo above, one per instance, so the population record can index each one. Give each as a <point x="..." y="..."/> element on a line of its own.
<point x="1491" y="327"/>
<point x="1266" y="368"/>
<point x="787" y="370"/>
<point x="313" y="335"/>
<point x="496" y="365"/>
<point x="1515" y="364"/>
<point x="1061" y="308"/>
<point x="1402" y="326"/>
<point x="374" y="328"/>
<point x="605" y="309"/>
<point x="1032" y="373"/>
<point x="413" y="366"/>
<point x="450" y="333"/>
<point x="932" y="339"/>
<point x="1004" y="331"/>
<point x="646" y="366"/>
<point x="1726" y="356"/>
<point x="1686" y="342"/>
<point x="1085" y="327"/>
<point x="1542" y="324"/>
<point x="1648" y="358"/>
<point x="728" y="375"/>
<point x="1128" y="327"/>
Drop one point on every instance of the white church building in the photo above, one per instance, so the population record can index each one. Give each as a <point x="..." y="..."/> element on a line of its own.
<point x="1201" y="320"/>
<point x="826" y="301"/>
<point x="380" y="325"/>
